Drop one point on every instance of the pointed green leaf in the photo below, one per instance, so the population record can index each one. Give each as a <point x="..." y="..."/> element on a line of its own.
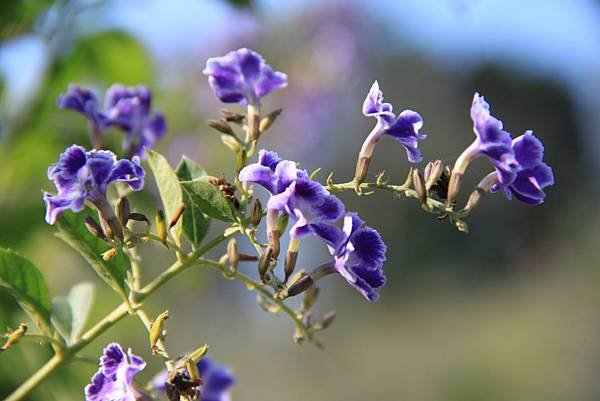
<point x="195" y="222"/>
<point x="70" y="314"/>
<point x="71" y="229"/>
<point x="207" y="198"/>
<point x="188" y="170"/>
<point x="26" y="283"/>
<point x="169" y="189"/>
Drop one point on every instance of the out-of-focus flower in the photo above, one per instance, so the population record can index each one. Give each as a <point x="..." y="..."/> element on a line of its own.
<point x="114" y="379"/>
<point x="359" y="254"/>
<point x="533" y="174"/>
<point x="82" y="100"/>
<point x="125" y="108"/>
<point x="79" y="176"/>
<point x="129" y="109"/>
<point x="217" y="379"/>
<point x="242" y="76"/>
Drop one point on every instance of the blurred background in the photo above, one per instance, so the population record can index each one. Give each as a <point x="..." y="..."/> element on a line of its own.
<point x="508" y="312"/>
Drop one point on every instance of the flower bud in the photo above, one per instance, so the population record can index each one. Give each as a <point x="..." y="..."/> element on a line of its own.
<point x="300" y="285"/>
<point x="268" y="121"/>
<point x="257" y="213"/>
<point x="419" y="185"/>
<point x="221" y="126"/>
<point x="14" y="337"/>
<point x="231" y="116"/>
<point x="93" y="227"/>
<point x="122" y="210"/>
<point x="327" y="319"/>
<point x="456" y="180"/>
<point x="433" y="174"/>
<point x="232" y="143"/>
<point x="291" y="257"/>
<point x="156" y="330"/>
<point x="106" y="227"/>
<point x="161" y="227"/>
<point x="177" y="215"/>
<point x="240" y="161"/>
<point x="139" y="217"/>
<point x="111" y="253"/>
<point x="232" y="254"/>
<point x="264" y="262"/>
<point x="199" y="353"/>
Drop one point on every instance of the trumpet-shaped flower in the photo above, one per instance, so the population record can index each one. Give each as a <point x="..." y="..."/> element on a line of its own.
<point x="79" y="176"/>
<point x="114" y="379"/>
<point x="359" y="253"/>
<point x="242" y="76"/>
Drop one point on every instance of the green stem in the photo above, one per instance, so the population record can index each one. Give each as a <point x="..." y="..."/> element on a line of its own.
<point x="431" y="203"/>
<point x="260" y="288"/>
<point x="113" y="317"/>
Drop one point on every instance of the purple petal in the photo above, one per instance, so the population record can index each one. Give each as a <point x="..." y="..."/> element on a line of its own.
<point x="529" y="150"/>
<point x="369" y="247"/>
<point x="81" y="100"/>
<point x="373" y="106"/>
<point x="330" y="234"/>
<point x="268" y="159"/>
<point x="260" y="175"/>
<point x="55" y="207"/>
<point x="129" y="172"/>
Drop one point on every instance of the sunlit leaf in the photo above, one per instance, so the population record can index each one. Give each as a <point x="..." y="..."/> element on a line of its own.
<point x="195" y="222"/>
<point x="70" y="314"/>
<point x="209" y="199"/>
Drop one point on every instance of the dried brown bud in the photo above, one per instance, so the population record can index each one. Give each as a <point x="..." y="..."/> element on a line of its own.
<point x="177" y="215"/>
<point x="231" y="116"/>
<point x="264" y="263"/>
<point x="433" y="174"/>
<point x="257" y="213"/>
<point x="419" y="186"/>
<point x="111" y="253"/>
<point x="94" y="228"/>
<point x="226" y="188"/>
<point x="122" y="210"/>
<point x="300" y="285"/>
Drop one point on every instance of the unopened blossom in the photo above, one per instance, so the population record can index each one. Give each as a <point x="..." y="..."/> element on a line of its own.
<point x="242" y="76"/>
<point x="129" y="109"/>
<point x="114" y="379"/>
<point x="404" y="128"/>
<point x="533" y="174"/>
<point x="491" y="141"/>
<point x="79" y="176"/>
<point x="359" y="254"/>
<point x="217" y="381"/>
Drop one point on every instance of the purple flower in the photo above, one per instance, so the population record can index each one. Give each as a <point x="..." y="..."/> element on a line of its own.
<point x="492" y="141"/>
<point x="218" y="381"/>
<point x="309" y="204"/>
<point x="272" y="173"/>
<point x="242" y="76"/>
<point x="533" y="174"/>
<point x="404" y="127"/>
<point x="359" y="254"/>
<point x="81" y="100"/>
<point x="114" y="379"/>
<point x="129" y="109"/>
<point x="293" y="192"/>
<point x="79" y="176"/>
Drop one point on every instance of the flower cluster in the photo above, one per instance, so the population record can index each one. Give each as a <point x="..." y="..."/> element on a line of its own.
<point x="125" y="108"/>
<point x="79" y="176"/>
<point x="358" y="251"/>
<point x="519" y="168"/>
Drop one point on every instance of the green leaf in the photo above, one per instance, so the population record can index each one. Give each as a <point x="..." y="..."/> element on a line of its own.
<point x="195" y="222"/>
<point x="169" y="189"/>
<point x="71" y="229"/>
<point x="207" y="198"/>
<point x="70" y="314"/>
<point x="188" y="170"/>
<point x="26" y="283"/>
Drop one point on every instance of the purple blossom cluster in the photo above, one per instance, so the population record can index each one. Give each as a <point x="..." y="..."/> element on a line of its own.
<point x="125" y="108"/>
<point x="358" y="251"/>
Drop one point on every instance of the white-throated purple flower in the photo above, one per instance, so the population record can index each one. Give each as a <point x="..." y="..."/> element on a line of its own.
<point x="242" y="76"/>
<point x="404" y="128"/>
<point x="359" y="254"/>
<point x="114" y="379"/>
<point x="533" y="174"/>
<point x="79" y="176"/>
<point x="218" y="381"/>
<point x="491" y="141"/>
<point x="129" y="109"/>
